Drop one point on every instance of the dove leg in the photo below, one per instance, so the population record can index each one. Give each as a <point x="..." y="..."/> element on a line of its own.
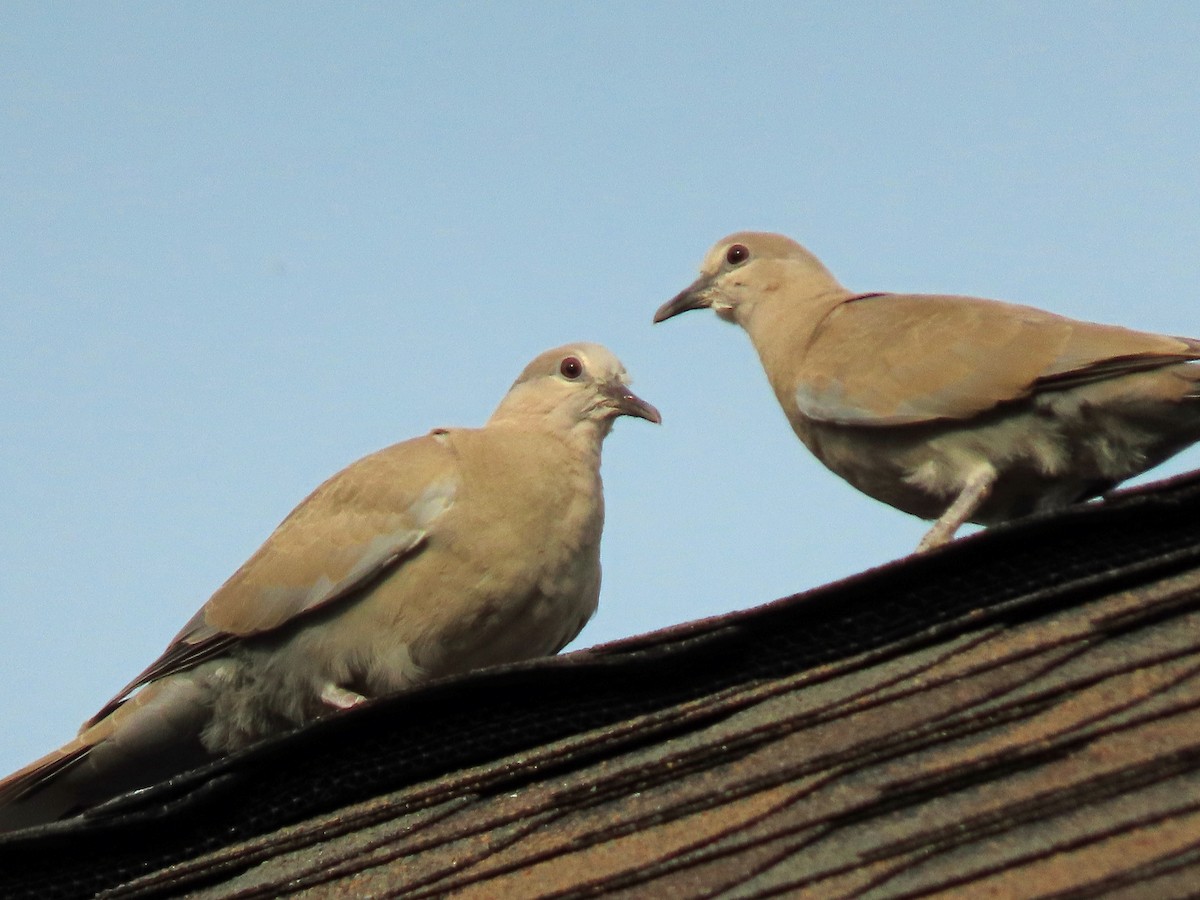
<point x="337" y="697"/>
<point x="974" y="492"/>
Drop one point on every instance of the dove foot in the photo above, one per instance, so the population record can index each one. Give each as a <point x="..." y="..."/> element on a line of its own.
<point x="337" y="697"/>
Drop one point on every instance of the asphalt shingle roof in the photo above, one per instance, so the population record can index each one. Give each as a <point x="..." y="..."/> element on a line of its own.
<point x="1018" y="714"/>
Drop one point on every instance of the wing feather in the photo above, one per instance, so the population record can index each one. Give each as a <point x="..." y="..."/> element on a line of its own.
<point x="358" y="526"/>
<point x="895" y="359"/>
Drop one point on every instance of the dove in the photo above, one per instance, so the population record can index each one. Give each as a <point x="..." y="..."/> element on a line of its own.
<point x="953" y="409"/>
<point x="456" y="550"/>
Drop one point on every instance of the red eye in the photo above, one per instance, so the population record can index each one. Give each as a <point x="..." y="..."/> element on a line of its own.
<point x="571" y="367"/>
<point x="738" y="253"/>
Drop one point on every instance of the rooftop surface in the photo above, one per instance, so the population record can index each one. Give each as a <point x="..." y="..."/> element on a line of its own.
<point x="1015" y="715"/>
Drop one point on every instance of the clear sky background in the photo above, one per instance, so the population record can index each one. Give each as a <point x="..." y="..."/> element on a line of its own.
<point x="244" y="244"/>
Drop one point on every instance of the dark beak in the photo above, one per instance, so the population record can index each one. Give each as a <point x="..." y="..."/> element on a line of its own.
<point x="697" y="295"/>
<point x="627" y="403"/>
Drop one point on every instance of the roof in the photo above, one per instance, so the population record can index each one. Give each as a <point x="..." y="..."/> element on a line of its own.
<point x="1019" y="709"/>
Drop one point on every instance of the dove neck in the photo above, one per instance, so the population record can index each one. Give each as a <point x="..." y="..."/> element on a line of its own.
<point x="581" y="436"/>
<point x="786" y="322"/>
<point x="781" y="331"/>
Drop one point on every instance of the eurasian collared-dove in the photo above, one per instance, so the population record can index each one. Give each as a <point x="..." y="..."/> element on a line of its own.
<point x="951" y="408"/>
<point x="459" y="549"/>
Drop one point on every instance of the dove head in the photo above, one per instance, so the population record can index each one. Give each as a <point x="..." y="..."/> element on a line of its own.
<point x="573" y="385"/>
<point x="751" y="268"/>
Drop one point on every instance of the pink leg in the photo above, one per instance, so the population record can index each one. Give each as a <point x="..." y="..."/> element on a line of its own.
<point x="974" y="492"/>
<point x="338" y="697"/>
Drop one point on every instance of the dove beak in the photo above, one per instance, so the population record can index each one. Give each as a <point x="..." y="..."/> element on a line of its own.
<point x="697" y="295"/>
<point x="627" y="403"/>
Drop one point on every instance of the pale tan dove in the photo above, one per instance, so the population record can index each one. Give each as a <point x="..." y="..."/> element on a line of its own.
<point x="459" y="549"/>
<point x="951" y="408"/>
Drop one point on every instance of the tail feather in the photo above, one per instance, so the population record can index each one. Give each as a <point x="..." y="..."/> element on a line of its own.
<point x="153" y="735"/>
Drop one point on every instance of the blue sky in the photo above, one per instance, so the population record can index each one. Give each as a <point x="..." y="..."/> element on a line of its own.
<point x="247" y="243"/>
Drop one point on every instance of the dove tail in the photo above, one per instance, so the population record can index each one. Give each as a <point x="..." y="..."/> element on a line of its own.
<point x="153" y="735"/>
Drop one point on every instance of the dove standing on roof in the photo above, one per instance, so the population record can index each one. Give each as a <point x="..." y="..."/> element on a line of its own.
<point x="951" y="408"/>
<point x="460" y="549"/>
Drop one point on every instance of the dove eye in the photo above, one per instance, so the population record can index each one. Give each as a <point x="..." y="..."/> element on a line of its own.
<point x="571" y="367"/>
<point x="738" y="253"/>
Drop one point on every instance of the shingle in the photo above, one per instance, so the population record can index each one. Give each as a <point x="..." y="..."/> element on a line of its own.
<point x="1019" y="714"/>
